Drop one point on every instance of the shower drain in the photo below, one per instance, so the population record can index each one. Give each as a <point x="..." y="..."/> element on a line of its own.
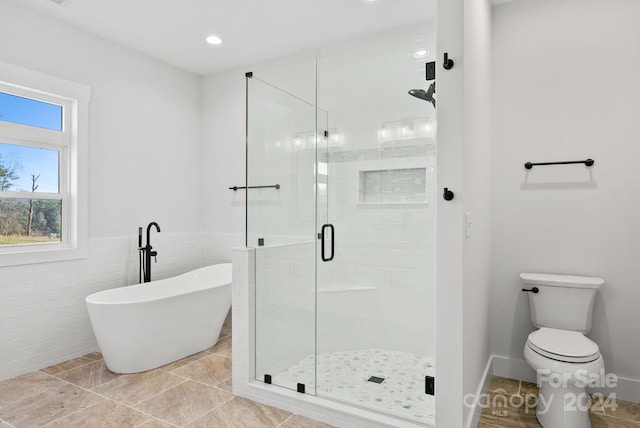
<point x="376" y="379"/>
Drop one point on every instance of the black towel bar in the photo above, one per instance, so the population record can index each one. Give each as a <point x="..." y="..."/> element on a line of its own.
<point x="235" y="188"/>
<point x="587" y="162"/>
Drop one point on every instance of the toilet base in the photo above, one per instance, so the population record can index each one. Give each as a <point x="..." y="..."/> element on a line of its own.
<point x="563" y="407"/>
<point x="562" y="401"/>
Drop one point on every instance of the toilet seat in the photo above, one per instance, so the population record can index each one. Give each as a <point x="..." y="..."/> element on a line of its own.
<point x="563" y="345"/>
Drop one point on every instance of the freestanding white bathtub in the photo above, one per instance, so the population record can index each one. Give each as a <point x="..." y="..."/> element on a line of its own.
<point x="141" y="327"/>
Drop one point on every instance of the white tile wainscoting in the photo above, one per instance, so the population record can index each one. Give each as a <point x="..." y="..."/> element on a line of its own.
<point x="43" y="316"/>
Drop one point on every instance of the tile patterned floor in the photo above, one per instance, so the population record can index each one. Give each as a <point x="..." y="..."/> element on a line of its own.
<point x="193" y="392"/>
<point x="511" y="404"/>
<point x="344" y="376"/>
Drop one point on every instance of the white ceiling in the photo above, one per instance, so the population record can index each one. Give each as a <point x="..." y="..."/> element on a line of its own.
<point x="252" y="31"/>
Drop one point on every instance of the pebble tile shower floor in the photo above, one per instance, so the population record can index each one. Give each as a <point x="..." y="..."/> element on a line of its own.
<point x="194" y="392"/>
<point x="345" y="376"/>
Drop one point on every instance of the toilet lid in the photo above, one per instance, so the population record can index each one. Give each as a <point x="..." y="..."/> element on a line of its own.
<point x="563" y="345"/>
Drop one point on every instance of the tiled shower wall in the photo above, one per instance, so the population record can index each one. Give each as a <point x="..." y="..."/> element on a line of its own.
<point x="381" y="283"/>
<point x="377" y="292"/>
<point x="43" y="315"/>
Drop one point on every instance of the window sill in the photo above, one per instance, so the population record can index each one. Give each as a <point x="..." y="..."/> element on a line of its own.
<point x="41" y="254"/>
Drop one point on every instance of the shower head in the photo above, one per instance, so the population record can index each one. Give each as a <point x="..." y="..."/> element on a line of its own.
<point x="419" y="93"/>
<point x="425" y="95"/>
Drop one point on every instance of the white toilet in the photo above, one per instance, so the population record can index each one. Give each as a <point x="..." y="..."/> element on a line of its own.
<point x="565" y="360"/>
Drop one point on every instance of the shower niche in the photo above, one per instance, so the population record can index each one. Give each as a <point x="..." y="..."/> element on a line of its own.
<point x="345" y="280"/>
<point x="393" y="186"/>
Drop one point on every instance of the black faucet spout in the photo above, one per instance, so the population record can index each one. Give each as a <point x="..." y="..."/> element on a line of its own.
<point x="148" y="253"/>
<point x="153" y="223"/>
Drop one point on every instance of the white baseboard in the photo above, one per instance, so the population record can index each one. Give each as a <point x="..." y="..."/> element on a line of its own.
<point x="625" y="389"/>
<point x="483" y="388"/>
<point x="513" y="368"/>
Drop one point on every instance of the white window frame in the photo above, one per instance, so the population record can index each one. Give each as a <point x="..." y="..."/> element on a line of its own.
<point x="71" y="145"/>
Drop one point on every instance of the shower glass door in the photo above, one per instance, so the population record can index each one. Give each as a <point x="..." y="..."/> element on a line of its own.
<point x="375" y="297"/>
<point x="345" y="244"/>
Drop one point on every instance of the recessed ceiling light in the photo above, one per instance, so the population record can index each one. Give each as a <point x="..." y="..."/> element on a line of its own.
<point x="214" y="40"/>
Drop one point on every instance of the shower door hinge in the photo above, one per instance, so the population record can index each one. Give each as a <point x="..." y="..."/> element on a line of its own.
<point x="301" y="388"/>
<point x="248" y="74"/>
<point x="326" y="134"/>
<point x="267" y="378"/>
<point x="430" y="385"/>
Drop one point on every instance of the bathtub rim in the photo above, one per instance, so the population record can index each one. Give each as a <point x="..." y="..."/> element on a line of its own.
<point x="90" y="299"/>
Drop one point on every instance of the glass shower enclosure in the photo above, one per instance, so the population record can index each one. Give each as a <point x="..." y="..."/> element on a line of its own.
<point x="341" y="168"/>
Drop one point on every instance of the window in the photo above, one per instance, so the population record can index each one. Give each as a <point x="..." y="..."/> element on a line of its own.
<point x="43" y="155"/>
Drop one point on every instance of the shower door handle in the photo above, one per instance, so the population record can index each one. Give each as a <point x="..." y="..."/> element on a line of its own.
<point x="323" y="254"/>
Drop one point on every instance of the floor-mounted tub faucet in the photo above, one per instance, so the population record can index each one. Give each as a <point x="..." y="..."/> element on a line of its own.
<point x="146" y="253"/>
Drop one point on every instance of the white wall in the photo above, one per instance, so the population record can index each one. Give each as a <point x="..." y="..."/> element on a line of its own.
<point x="477" y="190"/>
<point x="144" y="122"/>
<point x="450" y="318"/>
<point x="223" y="159"/>
<point x="565" y="87"/>
<point x="144" y="164"/>
<point x="464" y="162"/>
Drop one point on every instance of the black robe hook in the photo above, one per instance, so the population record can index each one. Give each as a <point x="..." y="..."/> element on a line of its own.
<point x="448" y="62"/>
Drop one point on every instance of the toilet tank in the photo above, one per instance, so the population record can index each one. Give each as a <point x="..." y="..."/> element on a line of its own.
<point x="563" y="301"/>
